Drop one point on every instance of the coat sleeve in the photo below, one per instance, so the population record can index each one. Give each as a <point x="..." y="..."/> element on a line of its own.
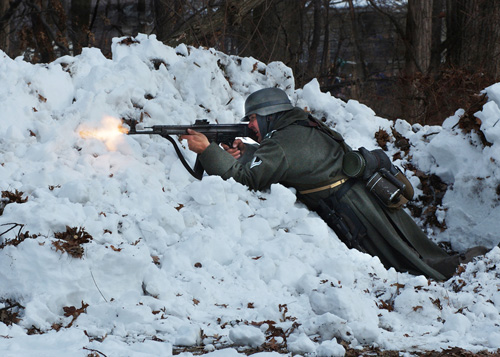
<point x="248" y="153"/>
<point x="267" y="166"/>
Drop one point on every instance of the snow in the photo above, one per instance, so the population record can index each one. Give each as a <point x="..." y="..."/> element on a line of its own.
<point x="174" y="262"/>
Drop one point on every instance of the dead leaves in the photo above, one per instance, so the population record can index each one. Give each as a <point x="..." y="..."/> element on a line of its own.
<point x="457" y="352"/>
<point x="382" y="138"/>
<point x="71" y="240"/>
<point x="114" y="249"/>
<point x="156" y="260"/>
<point x="276" y="333"/>
<point x="433" y="189"/>
<point x="74" y="312"/>
<point x="11" y="197"/>
<point x="7" y="198"/>
<point x="20" y="237"/>
<point x="402" y="143"/>
<point x="9" y="314"/>
<point x="386" y="305"/>
<point x="71" y="311"/>
<point x="389" y="303"/>
<point x="257" y="68"/>
<point x="157" y="62"/>
<point x="128" y="41"/>
<point x="276" y="336"/>
<point x="437" y="303"/>
<point x="468" y="122"/>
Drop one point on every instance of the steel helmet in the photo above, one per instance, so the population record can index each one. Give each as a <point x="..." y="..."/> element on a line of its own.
<point x="267" y="101"/>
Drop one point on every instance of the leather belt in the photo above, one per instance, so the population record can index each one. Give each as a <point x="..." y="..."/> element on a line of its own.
<point x="317" y="189"/>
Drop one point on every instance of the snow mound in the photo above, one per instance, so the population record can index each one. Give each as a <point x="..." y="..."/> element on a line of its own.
<point x="165" y="263"/>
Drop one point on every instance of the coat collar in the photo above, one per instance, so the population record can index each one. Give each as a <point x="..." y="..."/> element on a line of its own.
<point x="289" y="117"/>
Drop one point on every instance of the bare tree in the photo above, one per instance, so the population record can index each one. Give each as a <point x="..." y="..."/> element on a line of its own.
<point x="80" y="24"/>
<point x="42" y="33"/>
<point x="169" y="16"/>
<point x="202" y="22"/>
<point x="4" y="25"/>
<point x="325" y="54"/>
<point x="417" y="56"/>
<point x="276" y="33"/>
<point x="393" y="55"/>
<point x="438" y="14"/>
<point x="359" y="75"/>
<point x="142" y="16"/>
<point x="316" y="38"/>
<point x="474" y="35"/>
<point x="419" y="35"/>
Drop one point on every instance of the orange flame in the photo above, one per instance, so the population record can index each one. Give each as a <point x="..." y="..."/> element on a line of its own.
<point x="110" y="132"/>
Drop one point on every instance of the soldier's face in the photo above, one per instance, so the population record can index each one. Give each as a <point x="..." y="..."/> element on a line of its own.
<point x="254" y="126"/>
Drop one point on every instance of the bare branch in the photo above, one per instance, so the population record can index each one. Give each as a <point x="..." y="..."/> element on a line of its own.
<point x="47" y="28"/>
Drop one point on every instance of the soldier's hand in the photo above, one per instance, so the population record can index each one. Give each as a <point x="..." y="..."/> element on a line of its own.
<point x="197" y="142"/>
<point x="236" y="150"/>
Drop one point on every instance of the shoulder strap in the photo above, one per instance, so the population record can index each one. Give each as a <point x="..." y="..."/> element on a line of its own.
<point x="197" y="170"/>
<point x="312" y="122"/>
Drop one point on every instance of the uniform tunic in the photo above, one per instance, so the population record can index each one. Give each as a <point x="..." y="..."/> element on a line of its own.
<point x="304" y="158"/>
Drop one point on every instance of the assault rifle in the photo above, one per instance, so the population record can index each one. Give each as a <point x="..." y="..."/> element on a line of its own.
<point x="219" y="133"/>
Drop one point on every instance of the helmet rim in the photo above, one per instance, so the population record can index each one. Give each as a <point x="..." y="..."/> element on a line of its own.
<point x="267" y="101"/>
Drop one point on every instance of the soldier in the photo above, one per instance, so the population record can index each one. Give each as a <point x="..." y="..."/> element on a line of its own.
<point x="340" y="184"/>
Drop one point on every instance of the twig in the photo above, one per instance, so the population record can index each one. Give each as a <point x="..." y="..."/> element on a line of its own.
<point x="47" y="28"/>
<point x="14" y="225"/>
<point x="92" y="350"/>
<point x="91" y="274"/>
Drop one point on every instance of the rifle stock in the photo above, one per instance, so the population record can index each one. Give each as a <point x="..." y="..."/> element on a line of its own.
<point x="218" y="133"/>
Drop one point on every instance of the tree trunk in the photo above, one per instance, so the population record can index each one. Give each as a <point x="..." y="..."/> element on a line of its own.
<point x="290" y="41"/>
<point x="359" y="75"/>
<point x="80" y="19"/>
<point x="325" y="57"/>
<point x="474" y="42"/>
<point x="141" y="16"/>
<point x="417" y="57"/>
<point x="42" y="36"/>
<point x="273" y="31"/>
<point x="161" y="23"/>
<point x="419" y="35"/>
<point x="436" y="37"/>
<point x="4" y="26"/>
<point x="316" y="35"/>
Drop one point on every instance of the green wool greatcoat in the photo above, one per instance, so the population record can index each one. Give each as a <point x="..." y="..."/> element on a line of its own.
<point x="304" y="158"/>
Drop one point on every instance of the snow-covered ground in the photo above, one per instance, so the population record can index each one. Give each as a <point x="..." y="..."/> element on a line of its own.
<point x="173" y="262"/>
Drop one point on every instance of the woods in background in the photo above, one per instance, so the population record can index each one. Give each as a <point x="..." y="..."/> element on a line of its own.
<point x="418" y="60"/>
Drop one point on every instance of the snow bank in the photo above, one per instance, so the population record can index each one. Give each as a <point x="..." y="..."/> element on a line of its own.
<point x="176" y="263"/>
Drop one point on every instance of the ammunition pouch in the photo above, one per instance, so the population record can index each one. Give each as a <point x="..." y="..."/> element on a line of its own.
<point x="384" y="180"/>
